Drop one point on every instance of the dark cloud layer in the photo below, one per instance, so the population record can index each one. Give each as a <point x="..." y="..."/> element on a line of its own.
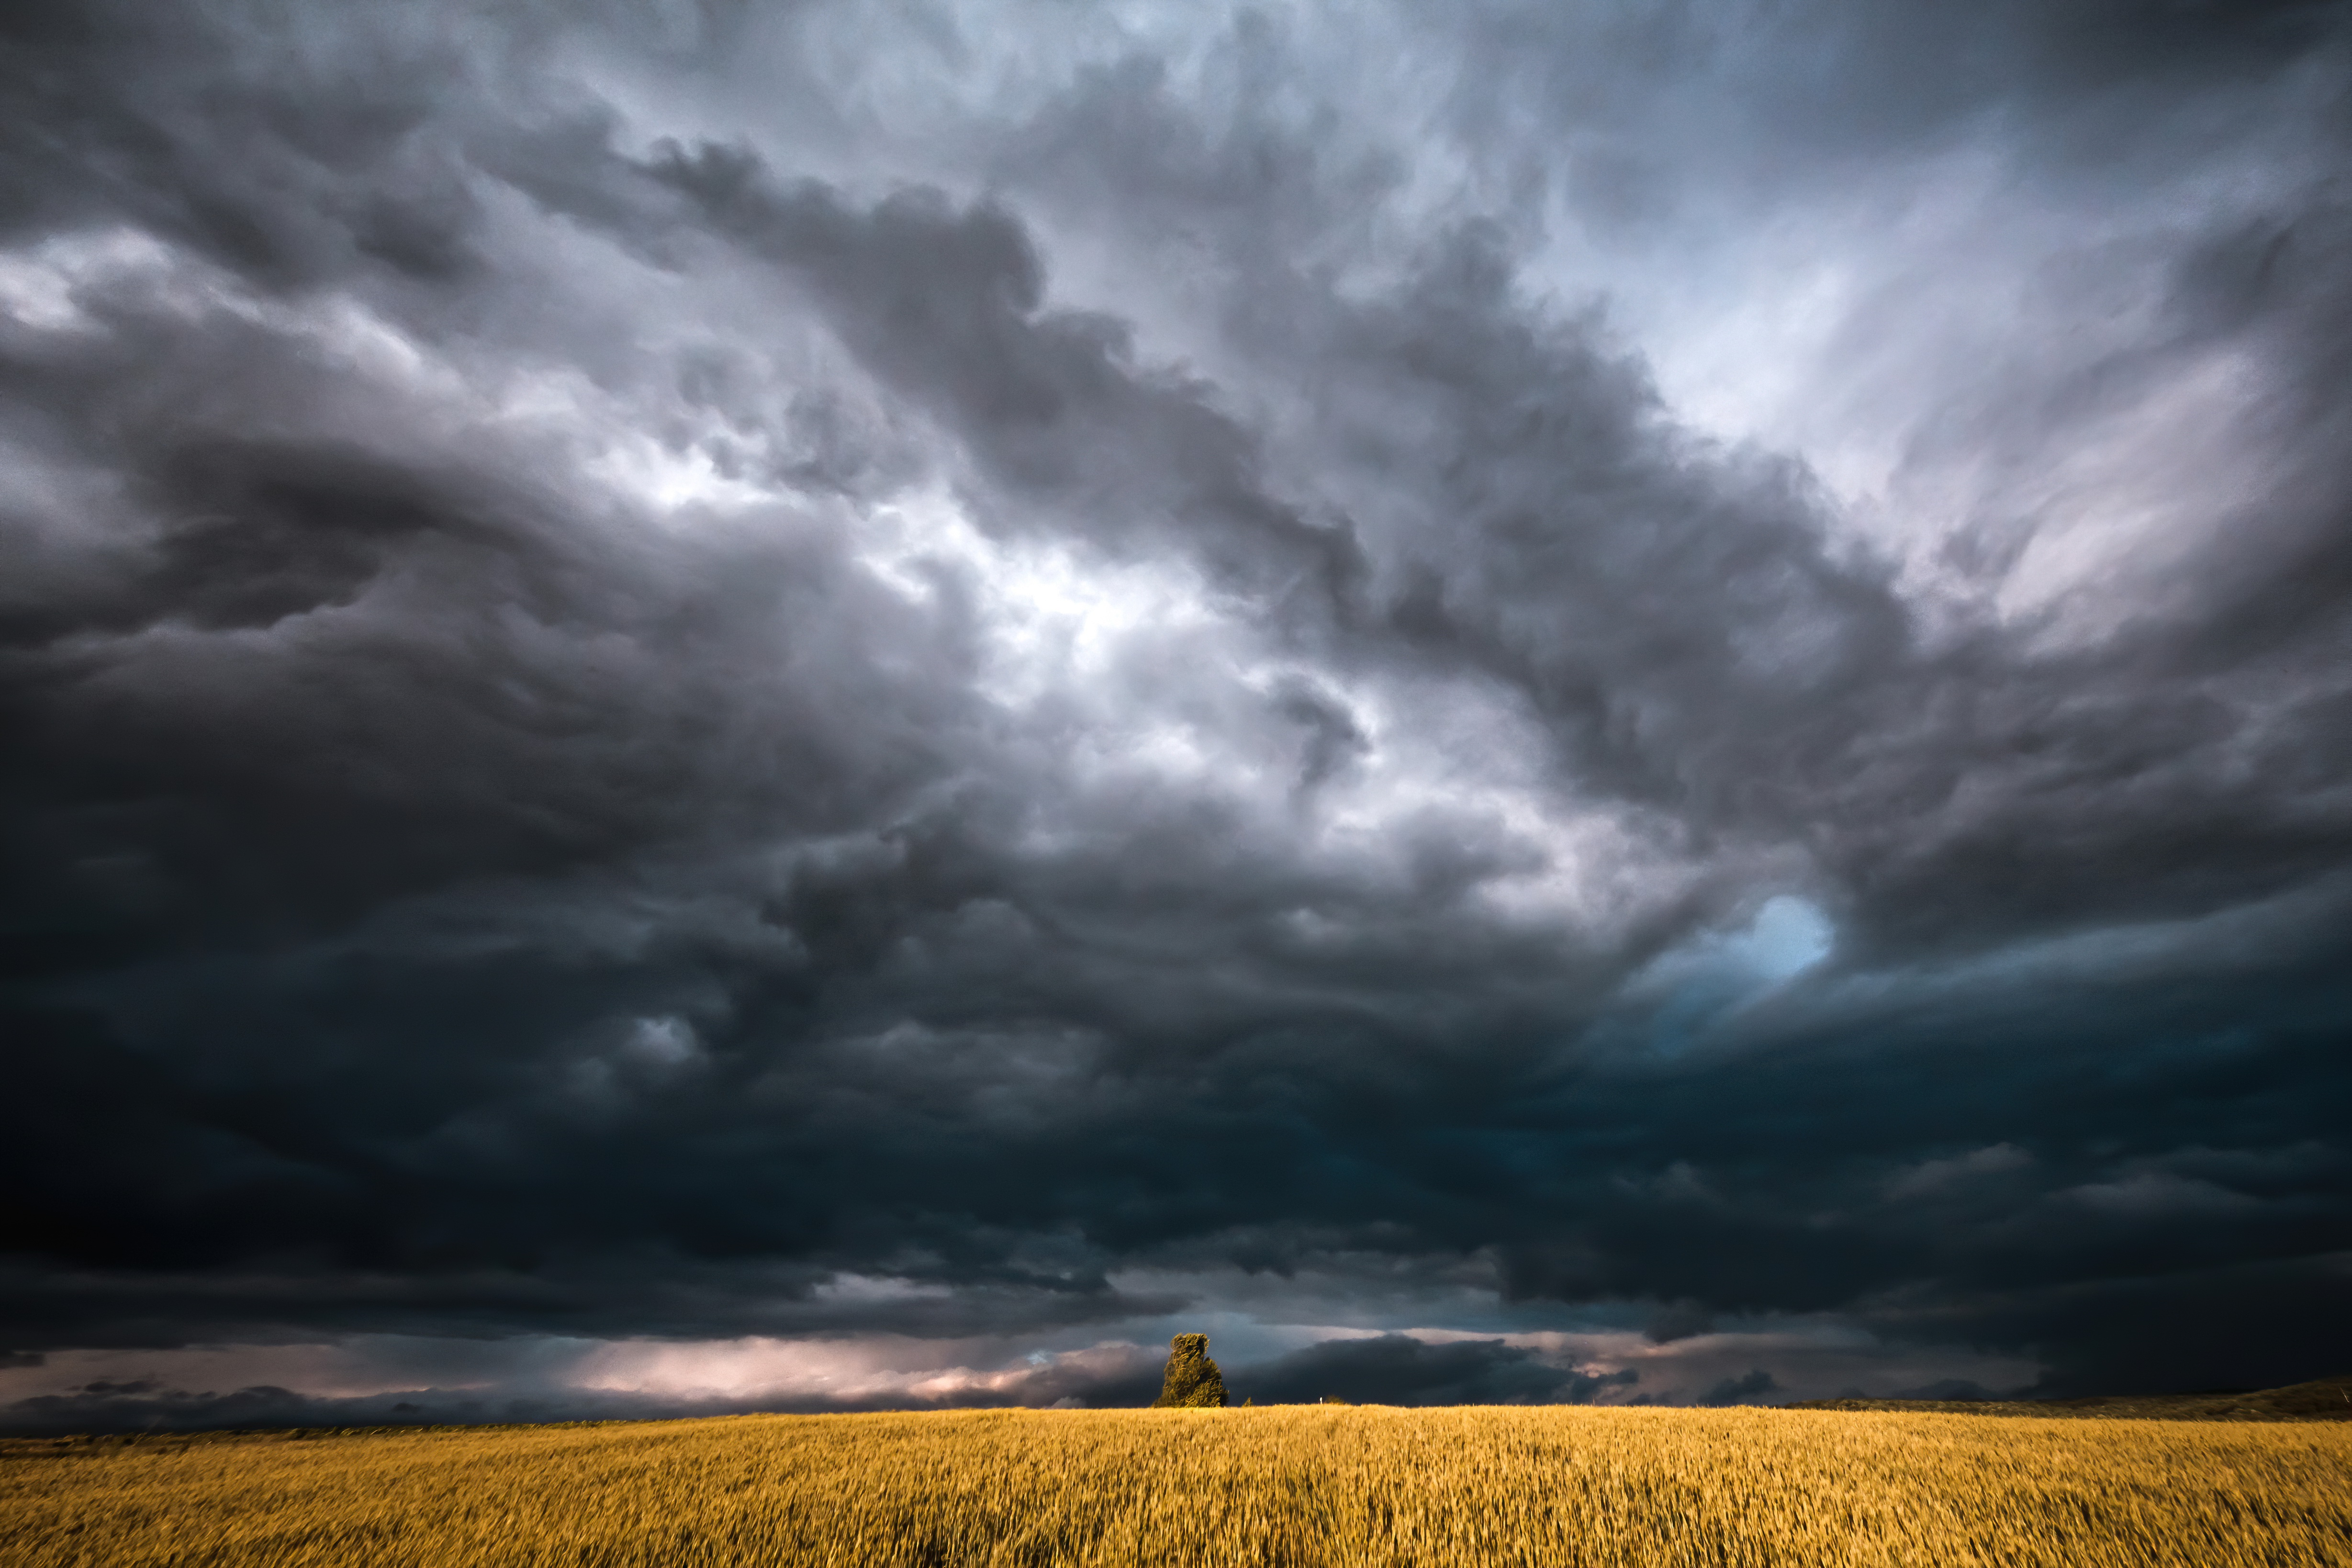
<point x="1391" y="1368"/>
<point x="971" y="704"/>
<point x="1396" y="1369"/>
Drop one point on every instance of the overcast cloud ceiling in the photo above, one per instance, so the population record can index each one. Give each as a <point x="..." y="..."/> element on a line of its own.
<point x="817" y="704"/>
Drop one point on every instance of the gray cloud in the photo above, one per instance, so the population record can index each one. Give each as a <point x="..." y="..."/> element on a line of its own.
<point x="1397" y="1369"/>
<point x="643" y="701"/>
<point x="1744" y="1389"/>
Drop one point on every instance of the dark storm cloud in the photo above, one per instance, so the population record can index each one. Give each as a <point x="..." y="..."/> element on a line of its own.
<point x="1789" y="96"/>
<point x="1744" y="1389"/>
<point x="1391" y="1369"/>
<point x="143" y="1407"/>
<point x="455" y="886"/>
<point x="1688" y="635"/>
<point x="1397" y="1369"/>
<point x="146" y="1407"/>
<point x="149" y="1404"/>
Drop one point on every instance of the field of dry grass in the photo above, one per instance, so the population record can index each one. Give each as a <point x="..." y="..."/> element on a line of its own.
<point x="1275" y="1486"/>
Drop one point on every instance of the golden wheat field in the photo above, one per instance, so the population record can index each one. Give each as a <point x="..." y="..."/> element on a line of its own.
<point x="1284" y="1485"/>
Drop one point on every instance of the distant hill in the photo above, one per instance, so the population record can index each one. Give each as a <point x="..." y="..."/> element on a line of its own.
<point x="2328" y="1399"/>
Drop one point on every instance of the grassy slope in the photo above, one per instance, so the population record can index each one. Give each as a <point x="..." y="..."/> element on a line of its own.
<point x="2328" y="1399"/>
<point x="1295" y="1485"/>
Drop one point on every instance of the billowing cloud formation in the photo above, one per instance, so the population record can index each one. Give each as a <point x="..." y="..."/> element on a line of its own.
<point x="1399" y="1369"/>
<point x="999" y="679"/>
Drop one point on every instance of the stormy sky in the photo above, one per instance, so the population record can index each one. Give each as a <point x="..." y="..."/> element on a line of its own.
<point x="813" y="705"/>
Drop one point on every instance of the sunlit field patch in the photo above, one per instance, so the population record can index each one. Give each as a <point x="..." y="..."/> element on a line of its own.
<point x="1302" y="1485"/>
